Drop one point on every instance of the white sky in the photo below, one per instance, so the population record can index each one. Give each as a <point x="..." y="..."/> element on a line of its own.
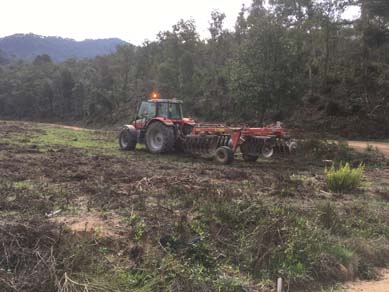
<point x="131" y="20"/>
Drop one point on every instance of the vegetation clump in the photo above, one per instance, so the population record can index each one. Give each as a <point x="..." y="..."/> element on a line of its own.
<point x="344" y="178"/>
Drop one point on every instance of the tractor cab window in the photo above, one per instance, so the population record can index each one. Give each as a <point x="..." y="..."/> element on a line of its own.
<point x="170" y="110"/>
<point x="175" y="111"/>
<point x="147" y="110"/>
<point x="163" y="110"/>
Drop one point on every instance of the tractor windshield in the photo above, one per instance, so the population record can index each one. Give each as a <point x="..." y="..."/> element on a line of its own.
<point x="169" y="110"/>
<point x="147" y="110"/>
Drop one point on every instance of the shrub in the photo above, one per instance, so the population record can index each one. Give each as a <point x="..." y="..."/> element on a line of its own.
<point x="344" y="178"/>
<point x="323" y="149"/>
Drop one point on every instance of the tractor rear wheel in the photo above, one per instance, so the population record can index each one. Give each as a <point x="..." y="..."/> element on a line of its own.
<point x="160" y="138"/>
<point x="127" y="139"/>
<point x="224" y="155"/>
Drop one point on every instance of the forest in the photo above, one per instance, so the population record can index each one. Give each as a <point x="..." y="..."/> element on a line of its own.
<point x="299" y="61"/>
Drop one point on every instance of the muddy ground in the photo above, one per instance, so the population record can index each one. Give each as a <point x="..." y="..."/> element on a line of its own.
<point x="153" y="221"/>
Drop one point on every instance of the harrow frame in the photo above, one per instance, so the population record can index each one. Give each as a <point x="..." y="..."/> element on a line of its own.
<point x="252" y="142"/>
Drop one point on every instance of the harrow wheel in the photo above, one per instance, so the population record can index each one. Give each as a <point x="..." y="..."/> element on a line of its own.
<point x="267" y="150"/>
<point x="160" y="138"/>
<point x="224" y="155"/>
<point x="127" y="140"/>
<point x="292" y="145"/>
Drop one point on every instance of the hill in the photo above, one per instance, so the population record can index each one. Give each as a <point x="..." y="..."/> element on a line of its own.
<point x="3" y="58"/>
<point x="28" y="46"/>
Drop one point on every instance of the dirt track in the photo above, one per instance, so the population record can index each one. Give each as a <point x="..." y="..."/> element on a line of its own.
<point x="370" y="286"/>
<point x="362" y="145"/>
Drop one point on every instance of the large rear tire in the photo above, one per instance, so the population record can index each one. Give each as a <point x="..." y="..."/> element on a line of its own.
<point x="127" y="139"/>
<point x="160" y="138"/>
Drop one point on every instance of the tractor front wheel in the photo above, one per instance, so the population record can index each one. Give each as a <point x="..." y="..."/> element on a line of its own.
<point x="127" y="139"/>
<point x="160" y="138"/>
<point x="224" y="155"/>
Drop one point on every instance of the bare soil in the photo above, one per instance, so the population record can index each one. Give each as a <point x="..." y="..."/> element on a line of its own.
<point x="362" y="145"/>
<point x="381" y="285"/>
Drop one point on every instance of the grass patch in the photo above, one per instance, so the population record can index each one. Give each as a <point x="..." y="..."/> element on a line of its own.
<point x="85" y="139"/>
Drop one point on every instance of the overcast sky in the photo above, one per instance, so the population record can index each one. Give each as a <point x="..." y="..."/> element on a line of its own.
<point x="131" y="20"/>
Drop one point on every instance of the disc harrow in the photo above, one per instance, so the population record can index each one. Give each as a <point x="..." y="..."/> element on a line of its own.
<point x="201" y="145"/>
<point x="223" y="142"/>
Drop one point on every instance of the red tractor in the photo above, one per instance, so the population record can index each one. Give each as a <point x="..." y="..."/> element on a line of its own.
<point x="160" y="125"/>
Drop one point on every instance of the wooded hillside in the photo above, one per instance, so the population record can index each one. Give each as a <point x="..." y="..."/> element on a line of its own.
<point x="296" y="61"/>
<point x="29" y="46"/>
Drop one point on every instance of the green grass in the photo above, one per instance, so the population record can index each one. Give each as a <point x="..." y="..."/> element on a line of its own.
<point x="50" y="137"/>
<point x="46" y="137"/>
<point x="85" y="139"/>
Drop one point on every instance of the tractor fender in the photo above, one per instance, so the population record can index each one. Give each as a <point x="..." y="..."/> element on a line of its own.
<point x="189" y="122"/>
<point x="131" y="128"/>
<point x="164" y="121"/>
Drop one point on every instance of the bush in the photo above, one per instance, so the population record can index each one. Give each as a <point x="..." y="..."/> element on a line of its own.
<point x="344" y="178"/>
<point x="323" y="149"/>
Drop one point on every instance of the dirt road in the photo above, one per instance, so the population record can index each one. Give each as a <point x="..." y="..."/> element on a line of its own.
<point x="370" y="286"/>
<point x="361" y="146"/>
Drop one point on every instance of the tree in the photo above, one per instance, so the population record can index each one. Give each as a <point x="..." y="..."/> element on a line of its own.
<point x="42" y="60"/>
<point x="67" y="85"/>
<point x="261" y="79"/>
<point x="3" y="59"/>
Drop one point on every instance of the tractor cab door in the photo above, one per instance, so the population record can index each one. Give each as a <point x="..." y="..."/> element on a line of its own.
<point x="147" y="111"/>
<point x="169" y="110"/>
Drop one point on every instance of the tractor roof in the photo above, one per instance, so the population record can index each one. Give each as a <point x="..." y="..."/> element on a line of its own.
<point x="166" y="100"/>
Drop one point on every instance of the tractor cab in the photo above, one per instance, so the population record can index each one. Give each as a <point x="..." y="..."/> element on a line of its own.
<point x="162" y="108"/>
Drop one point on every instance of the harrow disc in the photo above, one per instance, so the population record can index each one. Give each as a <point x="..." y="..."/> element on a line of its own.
<point x="285" y="147"/>
<point x="201" y="145"/>
<point x="253" y="146"/>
